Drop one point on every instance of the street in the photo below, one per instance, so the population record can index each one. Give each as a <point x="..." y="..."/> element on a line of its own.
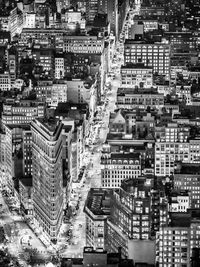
<point x="74" y="247"/>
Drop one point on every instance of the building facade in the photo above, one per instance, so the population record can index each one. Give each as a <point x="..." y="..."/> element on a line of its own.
<point x="83" y="44"/>
<point x="136" y="75"/>
<point x="172" y="145"/>
<point x="17" y="157"/>
<point x="22" y="112"/>
<point x="176" y="240"/>
<point x="156" y="55"/>
<point x="97" y="210"/>
<point x="188" y="178"/>
<point x="129" y="225"/>
<point x="5" y="81"/>
<point x="128" y="98"/>
<point x="116" y="167"/>
<point x="48" y="199"/>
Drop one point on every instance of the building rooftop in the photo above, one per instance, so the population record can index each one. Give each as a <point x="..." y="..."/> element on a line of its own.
<point x="143" y="41"/>
<point x="130" y="185"/>
<point x="107" y="259"/>
<point x="44" y="30"/>
<point x="128" y="156"/>
<point x="4" y="34"/>
<point x="129" y="138"/>
<point x="25" y="127"/>
<point x="177" y="193"/>
<point x="188" y="168"/>
<point x="67" y="128"/>
<point x="180" y="219"/>
<point x="144" y="265"/>
<point x="93" y="251"/>
<point x="66" y="107"/>
<point x="5" y="12"/>
<point x="50" y="124"/>
<point x="65" y="262"/>
<point x="146" y="18"/>
<point x="128" y="148"/>
<point x="137" y="91"/>
<point x="24" y="103"/>
<point x="136" y="66"/>
<point x="98" y="201"/>
<point x="26" y="181"/>
<point x="100" y="20"/>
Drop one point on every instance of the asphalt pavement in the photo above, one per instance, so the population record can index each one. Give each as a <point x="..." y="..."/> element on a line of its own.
<point x="74" y="247"/>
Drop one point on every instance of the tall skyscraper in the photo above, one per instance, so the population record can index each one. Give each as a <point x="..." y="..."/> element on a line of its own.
<point x="48" y="198"/>
<point x="109" y="7"/>
<point x="91" y="10"/>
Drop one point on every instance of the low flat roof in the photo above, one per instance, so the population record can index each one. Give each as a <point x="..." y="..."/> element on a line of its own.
<point x="144" y="91"/>
<point x="189" y="168"/>
<point x="98" y="201"/>
<point x="180" y="219"/>
<point x="26" y="181"/>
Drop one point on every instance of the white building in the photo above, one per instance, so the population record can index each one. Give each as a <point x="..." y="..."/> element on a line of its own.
<point x="52" y="93"/>
<point x="59" y="67"/>
<point x="136" y="75"/>
<point x="156" y="55"/>
<point x="171" y="145"/>
<point x="83" y="44"/>
<point x="184" y="93"/>
<point x="71" y="17"/>
<point x="29" y="20"/>
<point x="18" y="84"/>
<point x="58" y="94"/>
<point x="9" y="21"/>
<point x="180" y="201"/>
<point x="96" y="212"/>
<point x="5" y="82"/>
<point x="22" y="112"/>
